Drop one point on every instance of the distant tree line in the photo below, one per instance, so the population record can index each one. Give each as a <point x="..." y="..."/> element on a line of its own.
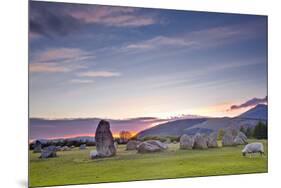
<point x="63" y="142"/>
<point x="258" y="132"/>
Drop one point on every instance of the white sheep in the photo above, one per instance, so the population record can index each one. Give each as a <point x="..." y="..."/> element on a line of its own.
<point x="253" y="148"/>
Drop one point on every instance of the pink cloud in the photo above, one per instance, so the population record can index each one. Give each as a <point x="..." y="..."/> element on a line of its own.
<point x="61" y="54"/>
<point x="202" y="38"/>
<point x="99" y="74"/>
<point x="112" y="16"/>
<point x="50" y="67"/>
<point x="250" y="103"/>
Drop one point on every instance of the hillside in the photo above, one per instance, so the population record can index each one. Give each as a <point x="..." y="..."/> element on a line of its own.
<point x="173" y="128"/>
<point x="207" y="125"/>
<point x="258" y="112"/>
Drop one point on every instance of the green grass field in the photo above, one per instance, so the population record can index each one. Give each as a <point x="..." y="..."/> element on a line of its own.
<point x="75" y="167"/>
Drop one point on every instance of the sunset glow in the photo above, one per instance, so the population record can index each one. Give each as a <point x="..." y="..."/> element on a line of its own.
<point x="121" y="63"/>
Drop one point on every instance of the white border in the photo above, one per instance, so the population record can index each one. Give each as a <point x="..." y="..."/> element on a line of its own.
<point x="13" y="99"/>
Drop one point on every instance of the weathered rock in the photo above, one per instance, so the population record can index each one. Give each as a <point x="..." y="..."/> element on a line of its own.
<point x="116" y="145"/>
<point x="186" y="142"/>
<point x="66" y="148"/>
<point x="83" y="146"/>
<point x="94" y="154"/>
<point x="234" y="132"/>
<point x="58" y="148"/>
<point x="240" y="139"/>
<point x="104" y="140"/>
<point x="200" y="142"/>
<point x="146" y="147"/>
<point x="212" y="140"/>
<point x="132" y="145"/>
<point x="37" y="147"/>
<point x="167" y="141"/>
<point x="243" y="137"/>
<point x="151" y="146"/>
<point x="49" y="152"/>
<point x="161" y="145"/>
<point x="228" y="139"/>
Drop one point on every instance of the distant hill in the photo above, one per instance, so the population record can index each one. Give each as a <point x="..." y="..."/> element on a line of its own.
<point x="207" y="125"/>
<point x="258" y="112"/>
<point x="172" y="128"/>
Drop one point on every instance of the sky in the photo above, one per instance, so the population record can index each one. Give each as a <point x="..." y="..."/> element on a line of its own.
<point x="90" y="61"/>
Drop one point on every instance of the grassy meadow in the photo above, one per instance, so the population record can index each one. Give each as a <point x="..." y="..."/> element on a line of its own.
<point x="75" y="166"/>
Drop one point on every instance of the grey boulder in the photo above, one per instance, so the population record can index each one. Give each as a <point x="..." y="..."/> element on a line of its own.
<point x="212" y="140"/>
<point x="104" y="140"/>
<point x="83" y="146"/>
<point x="151" y="146"/>
<point x="132" y="145"/>
<point x="65" y="148"/>
<point x="186" y="142"/>
<point x="49" y="152"/>
<point x="37" y="147"/>
<point x="200" y="141"/>
<point x="94" y="154"/>
<point x="240" y="139"/>
<point x="228" y="139"/>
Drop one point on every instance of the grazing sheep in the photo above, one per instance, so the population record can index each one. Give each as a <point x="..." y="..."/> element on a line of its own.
<point x="253" y="148"/>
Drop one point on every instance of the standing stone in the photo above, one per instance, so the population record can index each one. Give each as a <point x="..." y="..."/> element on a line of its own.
<point x="59" y="148"/>
<point x="167" y="141"/>
<point x="104" y="140"/>
<point x="94" y="154"/>
<point x="228" y="139"/>
<point x="240" y="139"/>
<point x="49" y="152"/>
<point x="83" y="146"/>
<point x="65" y="148"/>
<point x="116" y="145"/>
<point x="132" y="145"/>
<point x="151" y="146"/>
<point x="186" y="142"/>
<point x="243" y="137"/>
<point x="200" y="142"/>
<point x="212" y="140"/>
<point x="37" y="147"/>
<point x="161" y="145"/>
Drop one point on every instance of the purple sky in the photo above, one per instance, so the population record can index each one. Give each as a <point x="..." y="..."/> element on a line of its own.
<point x="109" y="62"/>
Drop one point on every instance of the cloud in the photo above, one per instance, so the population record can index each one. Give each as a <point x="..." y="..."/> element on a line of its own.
<point x="61" y="55"/>
<point x="57" y="19"/>
<point x="249" y="103"/>
<point x="47" y="19"/>
<point x="112" y="16"/>
<point x="47" y="68"/>
<point x="209" y="37"/>
<point x="81" y="81"/>
<point x="161" y="41"/>
<point x="59" y="60"/>
<point x="94" y="74"/>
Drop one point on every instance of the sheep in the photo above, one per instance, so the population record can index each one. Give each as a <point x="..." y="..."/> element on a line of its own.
<point x="253" y="148"/>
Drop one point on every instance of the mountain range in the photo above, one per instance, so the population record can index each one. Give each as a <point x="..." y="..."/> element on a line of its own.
<point x="247" y="119"/>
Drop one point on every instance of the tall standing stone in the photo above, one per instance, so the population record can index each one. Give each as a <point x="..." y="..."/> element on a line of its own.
<point x="200" y="142"/>
<point x="186" y="142"/>
<point x="240" y="139"/>
<point x="37" y="147"/>
<point x="228" y="138"/>
<point x="212" y="140"/>
<point x="104" y="140"/>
